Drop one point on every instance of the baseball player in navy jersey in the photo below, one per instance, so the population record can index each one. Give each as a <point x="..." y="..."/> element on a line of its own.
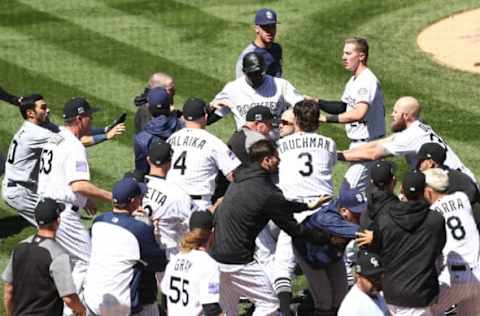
<point x="410" y="133"/>
<point x="265" y="31"/>
<point x="198" y="156"/>
<point x="255" y="88"/>
<point x="459" y="277"/>
<point x="64" y="175"/>
<point x="192" y="278"/>
<point x="361" y="108"/>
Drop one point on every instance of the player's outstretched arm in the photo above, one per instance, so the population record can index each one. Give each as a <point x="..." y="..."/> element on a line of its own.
<point x="332" y="107"/>
<point x="95" y="139"/>
<point x="74" y="303"/>
<point x="355" y="115"/>
<point x="369" y="151"/>
<point x="8" y="298"/>
<point x="10" y="98"/>
<point x="89" y="190"/>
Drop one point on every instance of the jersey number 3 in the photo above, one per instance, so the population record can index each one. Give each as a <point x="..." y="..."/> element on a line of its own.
<point x="308" y="167"/>
<point x="175" y="284"/>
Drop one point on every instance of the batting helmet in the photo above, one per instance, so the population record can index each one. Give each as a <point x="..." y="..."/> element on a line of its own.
<point x="253" y="62"/>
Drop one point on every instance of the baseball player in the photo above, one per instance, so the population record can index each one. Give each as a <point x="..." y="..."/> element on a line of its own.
<point x="64" y="175"/>
<point x="255" y="88"/>
<point x="459" y="278"/>
<point x="167" y="205"/>
<point x="198" y="156"/>
<point x="265" y="31"/>
<point x="286" y="123"/>
<point x="19" y="185"/>
<point x="362" y="106"/>
<point x="410" y="133"/>
<point x="192" y="278"/>
<point x="306" y="165"/>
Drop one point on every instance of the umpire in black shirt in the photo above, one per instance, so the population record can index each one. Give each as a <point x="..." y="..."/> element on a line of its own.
<point x="249" y="203"/>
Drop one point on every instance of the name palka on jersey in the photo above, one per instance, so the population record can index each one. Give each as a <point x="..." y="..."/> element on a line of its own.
<point x="186" y="140"/>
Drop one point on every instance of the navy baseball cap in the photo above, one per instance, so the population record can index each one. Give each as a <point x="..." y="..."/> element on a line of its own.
<point x="413" y="183"/>
<point x="160" y="152"/>
<point x="127" y="189"/>
<point x="259" y="113"/>
<point x="382" y="172"/>
<point x="47" y="211"/>
<point x="158" y="100"/>
<point x="433" y="151"/>
<point x="75" y="107"/>
<point x="352" y="199"/>
<point x="201" y="219"/>
<point x="194" y="108"/>
<point x="265" y="17"/>
<point x="369" y="264"/>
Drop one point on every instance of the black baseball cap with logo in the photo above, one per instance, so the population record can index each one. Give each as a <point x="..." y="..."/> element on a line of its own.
<point x="413" y="184"/>
<point x="194" y="108"/>
<point x="47" y="211"/>
<point x="382" y="172"/>
<point x="369" y="264"/>
<point x="433" y="151"/>
<point x="160" y="152"/>
<point x="75" y="107"/>
<point x="201" y="219"/>
<point x="259" y="113"/>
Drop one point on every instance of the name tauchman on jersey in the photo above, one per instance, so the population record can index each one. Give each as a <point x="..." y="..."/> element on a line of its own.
<point x="302" y="143"/>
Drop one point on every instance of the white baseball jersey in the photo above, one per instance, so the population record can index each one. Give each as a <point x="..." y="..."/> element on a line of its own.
<point x="365" y="88"/>
<point x="191" y="279"/>
<point x="463" y="240"/>
<point x="197" y="158"/>
<point x="275" y="93"/>
<point x="408" y="142"/>
<point x="306" y="165"/>
<point x="169" y="208"/>
<point x="24" y="151"/>
<point x="357" y="303"/>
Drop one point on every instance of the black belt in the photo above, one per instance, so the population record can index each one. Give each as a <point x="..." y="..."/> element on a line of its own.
<point x="31" y="186"/>
<point x="365" y="139"/>
<point x="196" y="197"/>
<point x="459" y="267"/>
<point x="75" y="208"/>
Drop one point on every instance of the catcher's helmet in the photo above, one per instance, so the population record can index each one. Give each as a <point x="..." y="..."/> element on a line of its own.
<point x="253" y="62"/>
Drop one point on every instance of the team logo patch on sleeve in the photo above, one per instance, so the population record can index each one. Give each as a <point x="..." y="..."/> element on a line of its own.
<point x="81" y="166"/>
<point x="362" y="91"/>
<point x="213" y="288"/>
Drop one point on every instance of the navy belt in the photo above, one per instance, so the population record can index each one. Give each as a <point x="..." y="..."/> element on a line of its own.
<point x="458" y="267"/>
<point x="359" y="140"/>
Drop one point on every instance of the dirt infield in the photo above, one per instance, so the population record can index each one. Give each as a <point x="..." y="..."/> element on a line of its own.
<point x="454" y="41"/>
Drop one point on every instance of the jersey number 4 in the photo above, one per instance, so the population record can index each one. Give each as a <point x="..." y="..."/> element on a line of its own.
<point x="308" y="167"/>
<point x="175" y="284"/>
<point x="46" y="161"/>
<point x="180" y="162"/>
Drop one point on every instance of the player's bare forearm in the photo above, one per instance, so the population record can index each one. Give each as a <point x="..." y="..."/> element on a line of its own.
<point x="367" y="152"/>
<point x="74" y="303"/>
<point x="355" y="115"/>
<point x="89" y="190"/>
<point x="8" y="298"/>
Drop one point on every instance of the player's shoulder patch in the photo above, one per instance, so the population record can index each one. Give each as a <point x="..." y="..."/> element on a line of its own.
<point x="362" y="92"/>
<point x="81" y="166"/>
<point x="213" y="288"/>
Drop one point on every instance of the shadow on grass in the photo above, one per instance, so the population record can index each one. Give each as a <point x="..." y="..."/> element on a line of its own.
<point x="12" y="225"/>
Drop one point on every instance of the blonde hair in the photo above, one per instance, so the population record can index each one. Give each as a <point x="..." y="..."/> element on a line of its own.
<point x="194" y="239"/>
<point x="437" y="179"/>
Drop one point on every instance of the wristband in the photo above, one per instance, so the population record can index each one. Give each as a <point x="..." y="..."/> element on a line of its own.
<point x="99" y="138"/>
<point x="340" y="156"/>
<point x="332" y="118"/>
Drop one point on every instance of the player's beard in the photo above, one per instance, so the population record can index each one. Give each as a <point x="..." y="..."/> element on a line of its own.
<point x="398" y="126"/>
<point x="255" y="80"/>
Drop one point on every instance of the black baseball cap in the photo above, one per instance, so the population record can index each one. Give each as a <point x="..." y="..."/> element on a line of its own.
<point x="127" y="189"/>
<point x="160" y="152"/>
<point x="265" y="17"/>
<point x="158" y="101"/>
<point x="47" y="211"/>
<point x="75" y="107"/>
<point x="194" y="108"/>
<point x="369" y="264"/>
<point x="413" y="184"/>
<point x="433" y="151"/>
<point x="201" y="219"/>
<point x="382" y="172"/>
<point x="137" y="174"/>
<point x="259" y="113"/>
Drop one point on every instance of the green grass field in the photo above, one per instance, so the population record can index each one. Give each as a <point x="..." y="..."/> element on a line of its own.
<point x="105" y="50"/>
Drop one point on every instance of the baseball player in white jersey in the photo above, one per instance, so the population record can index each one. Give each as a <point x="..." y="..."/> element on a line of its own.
<point x="167" y="205"/>
<point x="64" y="175"/>
<point x="198" y="156"/>
<point x="306" y="166"/>
<point x="255" y="88"/>
<point x="362" y="99"/>
<point x="410" y="133"/>
<point x="460" y="274"/>
<point x="20" y="181"/>
<point x="192" y="278"/>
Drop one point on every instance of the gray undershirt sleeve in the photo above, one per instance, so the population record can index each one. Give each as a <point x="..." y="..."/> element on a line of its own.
<point x="61" y="272"/>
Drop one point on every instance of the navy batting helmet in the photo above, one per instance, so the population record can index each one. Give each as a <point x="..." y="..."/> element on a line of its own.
<point x="253" y="62"/>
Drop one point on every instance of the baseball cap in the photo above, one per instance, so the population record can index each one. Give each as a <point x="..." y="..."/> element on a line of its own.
<point x="201" y="219"/>
<point x="369" y="264"/>
<point x="413" y="183"/>
<point x="47" y="211"/>
<point x="194" y="108"/>
<point x="158" y="99"/>
<point x="265" y="16"/>
<point x="76" y="106"/>
<point x="433" y="151"/>
<point x="352" y="199"/>
<point x="137" y="174"/>
<point x="160" y="152"/>
<point x="382" y="172"/>
<point x="127" y="189"/>
<point x="259" y="113"/>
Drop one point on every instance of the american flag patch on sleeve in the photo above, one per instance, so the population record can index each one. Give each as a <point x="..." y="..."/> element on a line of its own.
<point x="81" y="166"/>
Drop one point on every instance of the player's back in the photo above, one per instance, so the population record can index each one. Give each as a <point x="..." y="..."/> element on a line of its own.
<point x="24" y="152"/>
<point x="306" y="165"/>
<point x="191" y="279"/>
<point x="197" y="158"/>
<point x="463" y="240"/>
